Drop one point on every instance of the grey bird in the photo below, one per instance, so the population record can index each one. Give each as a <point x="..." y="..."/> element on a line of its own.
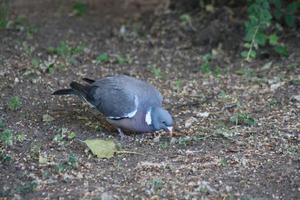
<point x="126" y="102"/>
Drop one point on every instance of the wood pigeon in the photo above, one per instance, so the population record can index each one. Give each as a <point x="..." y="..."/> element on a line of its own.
<point x="126" y="102"/>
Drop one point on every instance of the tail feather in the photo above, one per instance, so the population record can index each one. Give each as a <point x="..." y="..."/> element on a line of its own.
<point x="90" y="81"/>
<point x="79" y="89"/>
<point x="63" y="92"/>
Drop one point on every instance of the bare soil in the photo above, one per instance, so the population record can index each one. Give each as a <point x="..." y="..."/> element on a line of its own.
<point x="210" y="156"/>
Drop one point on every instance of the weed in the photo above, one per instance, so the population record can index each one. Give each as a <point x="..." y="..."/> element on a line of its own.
<point x="156" y="184"/>
<point x="69" y="164"/>
<point x="14" y="103"/>
<point x="102" y="58"/>
<point x="27" y="49"/>
<point x="20" y="137"/>
<point x="185" y="19"/>
<point x="27" y="187"/>
<point x="121" y="60"/>
<point x="164" y="145"/>
<point x="65" y="50"/>
<point x="64" y="134"/>
<point x="6" y="137"/>
<point x="260" y="19"/>
<point x="223" y="162"/>
<point x="156" y="71"/>
<point x="71" y="135"/>
<point x="4" y="157"/>
<point x="242" y="119"/>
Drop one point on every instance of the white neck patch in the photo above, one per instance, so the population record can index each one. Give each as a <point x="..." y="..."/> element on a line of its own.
<point x="148" y="119"/>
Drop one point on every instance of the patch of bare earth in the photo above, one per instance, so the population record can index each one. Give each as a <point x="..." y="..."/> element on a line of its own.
<point x="212" y="156"/>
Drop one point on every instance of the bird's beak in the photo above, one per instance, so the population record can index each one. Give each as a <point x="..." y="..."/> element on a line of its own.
<point x="170" y="129"/>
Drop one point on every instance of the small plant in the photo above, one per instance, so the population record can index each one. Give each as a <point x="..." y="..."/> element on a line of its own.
<point x="69" y="164"/>
<point x="14" y="103"/>
<point x="205" y="67"/>
<point x="121" y="60"/>
<point x="20" y="137"/>
<point x="242" y="119"/>
<point x="6" y="137"/>
<point x="259" y="22"/>
<point x="102" y="58"/>
<point x="80" y="8"/>
<point x="185" y="19"/>
<point x="156" y="184"/>
<point x="156" y="71"/>
<point x="64" y="135"/>
<point x="4" y="157"/>
<point x="65" y="50"/>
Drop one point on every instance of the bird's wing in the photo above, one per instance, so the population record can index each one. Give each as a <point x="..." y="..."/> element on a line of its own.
<point x="111" y="99"/>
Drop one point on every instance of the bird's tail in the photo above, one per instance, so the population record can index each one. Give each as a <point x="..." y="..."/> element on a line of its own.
<point x="76" y="89"/>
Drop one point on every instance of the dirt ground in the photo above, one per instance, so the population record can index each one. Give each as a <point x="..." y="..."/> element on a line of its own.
<point x="237" y="123"/>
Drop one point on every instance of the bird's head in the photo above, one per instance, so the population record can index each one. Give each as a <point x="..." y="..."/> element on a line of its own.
<point x="159" y="119"/>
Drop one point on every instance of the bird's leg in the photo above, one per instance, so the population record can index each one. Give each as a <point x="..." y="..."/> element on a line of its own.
<point x="122" y="135"/>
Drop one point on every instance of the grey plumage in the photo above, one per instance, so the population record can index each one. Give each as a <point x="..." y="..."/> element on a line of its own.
<point x="126" y="102"/>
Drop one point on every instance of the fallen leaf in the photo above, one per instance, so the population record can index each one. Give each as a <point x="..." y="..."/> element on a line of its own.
<point x="47" y="118"/>
<point x="203" y="114"/>
<point x="189" y="122"/>
<point x="102" y="148"/>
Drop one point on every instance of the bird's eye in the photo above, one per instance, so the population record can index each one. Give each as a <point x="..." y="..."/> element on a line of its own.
<point x="164" y="123"/>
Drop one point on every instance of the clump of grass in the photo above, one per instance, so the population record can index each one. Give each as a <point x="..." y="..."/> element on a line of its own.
<point x="6" y="137"/>
<point x="156" y="71"/>
<point x="242" y="119"/>
<point x="65" y="50"/>
<point x="14" y="103"/>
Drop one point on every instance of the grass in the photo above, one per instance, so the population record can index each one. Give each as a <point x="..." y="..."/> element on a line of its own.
<point x="14" y="103"/>
<point x="242" y="119"/>
<point x="156" y="71"/>
<point x="6" y="137"/>
<point x="102" y="58"/>
<point x="64" y="49"/>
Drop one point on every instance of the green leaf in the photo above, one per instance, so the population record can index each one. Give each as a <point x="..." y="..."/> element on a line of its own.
<point x="282" y="50"/>
<point x="261" y="38"/>
<point x="273" y="39"/>
<point x="244" y="54"/>
<point x="102" y="148"/>
<point x="289" y="20"/>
